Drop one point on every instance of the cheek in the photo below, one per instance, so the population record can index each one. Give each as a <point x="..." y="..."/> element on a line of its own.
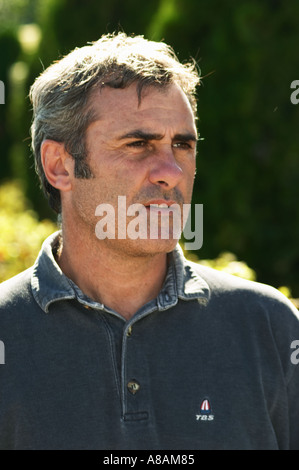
<point x="189" y="175"/>
<point x="104" y="189"/>
<point x="129" y="176"/>
<point x="85" y="197"/>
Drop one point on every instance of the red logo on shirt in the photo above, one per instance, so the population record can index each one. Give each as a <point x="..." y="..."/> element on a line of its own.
<point x="205" y="407"/>
<point x="205" y="413"/>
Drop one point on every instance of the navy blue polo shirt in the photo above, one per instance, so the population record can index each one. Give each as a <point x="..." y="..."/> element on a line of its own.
<point x="205" y="365"/>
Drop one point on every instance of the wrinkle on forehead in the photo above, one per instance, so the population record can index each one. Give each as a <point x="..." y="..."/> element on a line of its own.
<point x="109" y="94"/>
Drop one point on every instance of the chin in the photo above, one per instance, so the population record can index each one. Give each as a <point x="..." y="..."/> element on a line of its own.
<point x="143" y="248"/>
<point x="152" y="247"/>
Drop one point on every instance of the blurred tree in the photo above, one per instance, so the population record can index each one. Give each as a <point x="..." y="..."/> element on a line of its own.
<point x="88" y="21"/>
<point x="21" y="233"/>
<point x="13" y="13"/>
<point x="9" y="47"/>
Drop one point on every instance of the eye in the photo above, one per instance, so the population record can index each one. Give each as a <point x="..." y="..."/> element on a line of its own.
<point x="182" y="145"/>
<point x="137" y="143"/>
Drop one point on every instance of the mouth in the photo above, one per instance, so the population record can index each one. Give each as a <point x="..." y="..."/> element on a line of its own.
<point x="159" y="204"/>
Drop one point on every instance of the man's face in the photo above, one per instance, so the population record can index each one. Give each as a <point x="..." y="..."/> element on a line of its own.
<point x="144" y="151"/>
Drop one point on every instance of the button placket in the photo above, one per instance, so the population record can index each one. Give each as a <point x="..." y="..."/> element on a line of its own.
<point x="133" y="380"/>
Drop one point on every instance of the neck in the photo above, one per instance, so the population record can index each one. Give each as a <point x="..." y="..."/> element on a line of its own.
<point x="112" y="277"/>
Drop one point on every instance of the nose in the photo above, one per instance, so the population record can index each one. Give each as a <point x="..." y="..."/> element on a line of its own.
<point x="165" y="170"/>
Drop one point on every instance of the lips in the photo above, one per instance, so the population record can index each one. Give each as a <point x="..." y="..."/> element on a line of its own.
<point x="159" y="203"/>
<point x="163" y="208"/>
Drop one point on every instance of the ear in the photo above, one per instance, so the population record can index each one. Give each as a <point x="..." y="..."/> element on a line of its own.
<point x="58" y="164"/>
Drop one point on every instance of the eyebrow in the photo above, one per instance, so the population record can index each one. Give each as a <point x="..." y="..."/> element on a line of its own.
<point x="144" y="135"/>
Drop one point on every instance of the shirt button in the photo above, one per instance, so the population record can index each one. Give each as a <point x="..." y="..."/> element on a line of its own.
<point x="167" y="298"/>
<point x="133" y="386"/>
<point x="129" y="331"/>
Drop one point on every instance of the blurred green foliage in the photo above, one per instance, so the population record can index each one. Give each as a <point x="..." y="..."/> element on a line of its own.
<point x="21" y="231"/>
<point x="248" y="162"/>
<point x="228" y="263"/>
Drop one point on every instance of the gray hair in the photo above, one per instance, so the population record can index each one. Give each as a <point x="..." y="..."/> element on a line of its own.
<point x="61" y="95"/>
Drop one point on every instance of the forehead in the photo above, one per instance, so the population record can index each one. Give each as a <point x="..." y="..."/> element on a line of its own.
<point x="120" y="109"/>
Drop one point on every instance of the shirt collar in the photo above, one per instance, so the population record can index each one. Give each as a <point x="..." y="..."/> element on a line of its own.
<point x="182" y="282"/>
<point x="49" y="284"/>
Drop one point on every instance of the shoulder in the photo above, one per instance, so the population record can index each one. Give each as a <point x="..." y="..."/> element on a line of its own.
<point x="16" y="291"/>
<point x="221" y="283"/>
<point x="241" y="295"/>
<point x="250" y="311"/>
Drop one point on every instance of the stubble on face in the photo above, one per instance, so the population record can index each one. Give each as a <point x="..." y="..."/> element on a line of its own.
<point x="117" y="172"/>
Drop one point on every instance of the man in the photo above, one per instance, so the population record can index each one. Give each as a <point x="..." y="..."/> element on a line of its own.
<point x="115" y="341"/>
